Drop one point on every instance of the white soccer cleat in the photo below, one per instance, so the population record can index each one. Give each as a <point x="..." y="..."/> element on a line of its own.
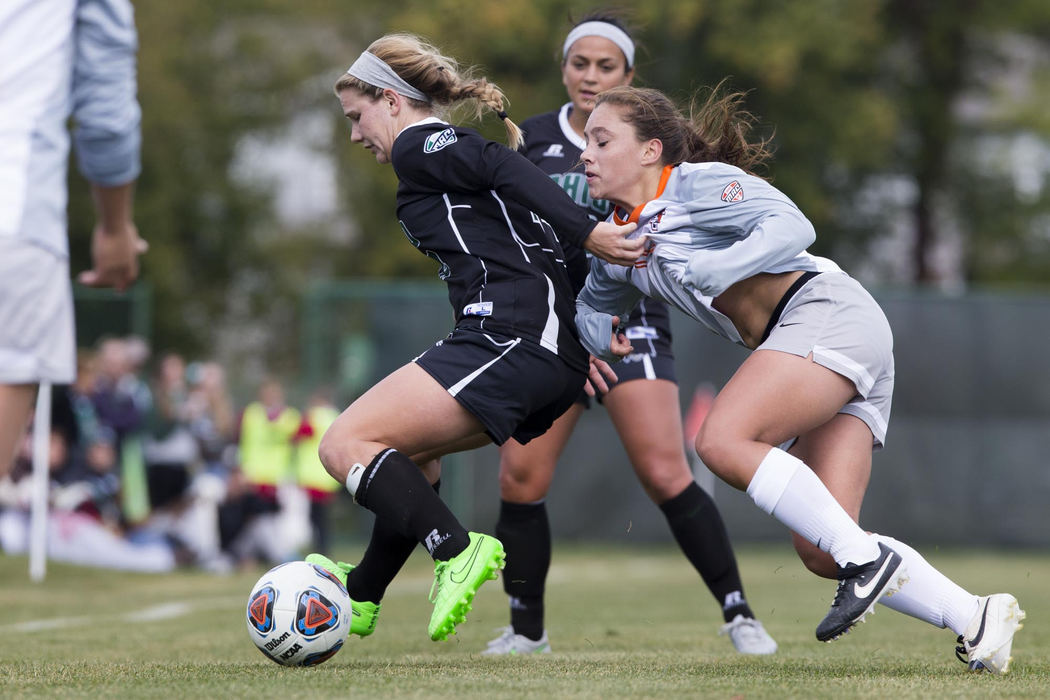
<point x="989" y="637"/>
<point x="749" y="636"/>
<point x="509" y="643"/>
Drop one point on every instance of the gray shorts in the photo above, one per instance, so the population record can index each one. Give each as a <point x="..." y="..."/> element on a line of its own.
<point x="833" y="317"/>
<point x="37" y="341"/>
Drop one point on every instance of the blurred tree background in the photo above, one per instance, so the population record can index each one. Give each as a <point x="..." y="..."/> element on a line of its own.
<point x="913" y="133"/>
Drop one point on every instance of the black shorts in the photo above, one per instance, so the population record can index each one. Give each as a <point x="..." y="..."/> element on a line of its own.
<point x="649" y="330"/>
<point x="513" y="386"/>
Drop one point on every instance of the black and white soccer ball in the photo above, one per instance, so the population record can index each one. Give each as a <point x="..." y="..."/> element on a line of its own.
<point x="299" y="614"/>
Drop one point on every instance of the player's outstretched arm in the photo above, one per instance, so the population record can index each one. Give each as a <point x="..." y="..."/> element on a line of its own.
<point x="115" y="243"/>
<point x="610" y="243"/>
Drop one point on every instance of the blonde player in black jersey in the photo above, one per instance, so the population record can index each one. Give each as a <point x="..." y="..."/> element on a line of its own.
<point x="598" y="54"/>
<point x="796" y="424"/>
<point x="512" y="364"/>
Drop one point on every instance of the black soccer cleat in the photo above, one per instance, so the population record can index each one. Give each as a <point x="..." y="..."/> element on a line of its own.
<point x="860" y="588"/>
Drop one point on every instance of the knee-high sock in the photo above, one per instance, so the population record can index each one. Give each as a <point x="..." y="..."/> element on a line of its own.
<point x="698" y="528"/>
<point x="788" y="490"/>
<point x="929" y="595"/>
<point x="525" y="532"/>
<point x="394" y="488"/>
<point x="385" y="556"/>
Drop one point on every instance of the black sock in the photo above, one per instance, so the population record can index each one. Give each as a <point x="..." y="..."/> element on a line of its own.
<point x="525" y="532"/>
<point x="387" y="552"/>
<point x="698" y="528"/>
<point x="394" y="488"/>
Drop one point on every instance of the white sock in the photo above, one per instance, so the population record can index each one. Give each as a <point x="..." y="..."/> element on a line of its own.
<point x="788" y="490"/>
<point x="929" y="595"/>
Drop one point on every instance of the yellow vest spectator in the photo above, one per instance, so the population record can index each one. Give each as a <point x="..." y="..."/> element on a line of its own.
<point x="267" y="430"/>
<point x="320" y="488"/>
<point x="310" y="473"/>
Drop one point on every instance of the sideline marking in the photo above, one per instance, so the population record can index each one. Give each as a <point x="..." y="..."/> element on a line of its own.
<point x="164" y="611"/>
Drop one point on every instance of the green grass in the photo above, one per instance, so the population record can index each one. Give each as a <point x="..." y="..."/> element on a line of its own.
<point x="623" y="623"/>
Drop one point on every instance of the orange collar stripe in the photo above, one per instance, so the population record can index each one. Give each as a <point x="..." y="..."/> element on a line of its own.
<point x="633" y="218"/>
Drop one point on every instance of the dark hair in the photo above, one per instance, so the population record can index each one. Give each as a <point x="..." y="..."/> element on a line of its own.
<point x="615" y="17"/>
<point x="716" y="130"/>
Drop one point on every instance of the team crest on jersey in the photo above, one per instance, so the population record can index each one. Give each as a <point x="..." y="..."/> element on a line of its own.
<point x="554" y="151"/>
<point x="435" y="142"/>
<point x="654" y="223"/>
<point x="733" y="192"/>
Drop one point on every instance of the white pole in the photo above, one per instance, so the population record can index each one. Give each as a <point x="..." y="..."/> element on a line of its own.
<point x="41" y="477"/>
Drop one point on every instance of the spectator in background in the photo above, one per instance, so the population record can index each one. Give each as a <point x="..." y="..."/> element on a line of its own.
<point x="168" y="447"/>
<point x="211" y="415"/>
<point x="210" y="421"/>
<point x="267" y="428"/>
<point x="81" y="529"/>
<point x="320" y="487"/>
<point x="60" y="58"/>
<point x="122" y="402"/>
<point x="249" y="520"/>
<point x="87" y="420"/>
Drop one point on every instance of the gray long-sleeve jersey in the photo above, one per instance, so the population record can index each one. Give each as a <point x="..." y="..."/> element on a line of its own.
<point x="711" y="225"/>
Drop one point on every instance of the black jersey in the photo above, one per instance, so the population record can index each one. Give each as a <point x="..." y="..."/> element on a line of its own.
<point x="488" y="217"/>
<point x="553" y="145"/>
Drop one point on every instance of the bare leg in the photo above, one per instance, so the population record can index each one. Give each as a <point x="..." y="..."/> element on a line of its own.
<point x="646" y="415"/>
<point x="16" y="402"/>
<point x="526" y="471"/>
<point x="773" y="397"/>
<point x="408" y="411"/>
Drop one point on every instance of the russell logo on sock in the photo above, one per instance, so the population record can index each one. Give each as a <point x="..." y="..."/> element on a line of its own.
<point x="434" y="540"/>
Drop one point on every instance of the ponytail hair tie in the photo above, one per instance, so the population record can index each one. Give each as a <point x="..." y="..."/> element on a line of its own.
<point x="501" y="114"/>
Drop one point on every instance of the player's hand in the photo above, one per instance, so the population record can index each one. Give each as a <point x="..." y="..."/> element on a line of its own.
<point x="600" y="377"/>
<point x="619" y="345"/>
<point x="609" y="242"/>
<point x="115" y="257"/>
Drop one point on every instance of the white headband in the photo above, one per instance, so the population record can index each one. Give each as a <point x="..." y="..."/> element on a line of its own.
<point x="605" y="30"/>
<point x="373" y="70"/>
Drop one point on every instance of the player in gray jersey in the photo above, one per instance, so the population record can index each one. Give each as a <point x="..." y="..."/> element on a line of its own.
<point x="598" y="54"/>
<point x="796" y="424"/>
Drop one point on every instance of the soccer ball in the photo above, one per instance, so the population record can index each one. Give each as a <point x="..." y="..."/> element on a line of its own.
<point x="299" y="614"/>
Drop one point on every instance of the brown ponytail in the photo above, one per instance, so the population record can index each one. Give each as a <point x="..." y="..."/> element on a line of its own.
<point x="717" y="129"/>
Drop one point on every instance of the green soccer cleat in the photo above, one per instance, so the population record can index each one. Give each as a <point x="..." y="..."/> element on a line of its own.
<point x="458" y="579"/>
<point x="365" y="613"/>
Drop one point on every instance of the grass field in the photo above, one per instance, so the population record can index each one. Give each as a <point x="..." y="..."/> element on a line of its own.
<point x="623" y="624"/>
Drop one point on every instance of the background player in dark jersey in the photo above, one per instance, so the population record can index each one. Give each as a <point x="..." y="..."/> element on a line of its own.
<point x="598" y="54"/>
<point x="512" y="364"/>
